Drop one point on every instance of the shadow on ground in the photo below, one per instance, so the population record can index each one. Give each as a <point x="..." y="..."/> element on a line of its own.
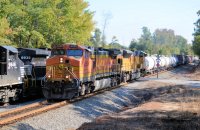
<point x="143" y="120"/>
<point x="116" y="100"/>
<point x="24" y="126"/>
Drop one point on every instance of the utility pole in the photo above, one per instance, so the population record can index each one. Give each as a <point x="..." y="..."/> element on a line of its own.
<point x="158" y="64"/>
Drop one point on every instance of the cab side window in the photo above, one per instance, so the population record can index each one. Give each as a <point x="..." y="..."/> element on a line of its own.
<point x="2" y="56"/>
<point x="3" y="62"/>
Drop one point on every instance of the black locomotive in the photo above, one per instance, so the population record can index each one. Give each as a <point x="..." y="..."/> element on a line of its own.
<point x="11" y="74"/>
<point x="21" y="72"/>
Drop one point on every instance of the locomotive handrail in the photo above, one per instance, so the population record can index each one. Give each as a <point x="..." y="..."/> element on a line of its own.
<point x="43" y="79"/>
<point x="34" y="75"/>
<point x="26" y="77"/>
<point x="72" y="74"/>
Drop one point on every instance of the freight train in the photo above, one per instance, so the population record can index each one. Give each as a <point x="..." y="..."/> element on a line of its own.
<point x="21" y="71"/>
<point x="74" y="70"/>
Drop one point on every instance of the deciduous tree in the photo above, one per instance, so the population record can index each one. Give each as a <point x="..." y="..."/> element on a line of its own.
<point x="196" y="42"/>
<point x="40" y="23"/>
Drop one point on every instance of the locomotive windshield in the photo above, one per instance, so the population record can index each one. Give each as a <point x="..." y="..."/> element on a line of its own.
<point x="39" y="61"/>
<point x="58" y="52"/>
<point x="75" y="53"/>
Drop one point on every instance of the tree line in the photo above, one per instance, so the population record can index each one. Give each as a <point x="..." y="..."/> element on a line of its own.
<point x="162" y="41"/>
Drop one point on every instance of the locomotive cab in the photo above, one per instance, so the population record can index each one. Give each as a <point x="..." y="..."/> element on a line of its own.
<point x="67" y="62"/>
<point x="68" y="67"/>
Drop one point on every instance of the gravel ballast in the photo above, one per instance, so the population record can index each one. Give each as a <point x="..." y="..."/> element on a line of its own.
<point x="73" y="115"/>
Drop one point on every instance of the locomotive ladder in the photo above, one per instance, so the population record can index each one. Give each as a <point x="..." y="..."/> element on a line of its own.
<point x="72" y="73"/>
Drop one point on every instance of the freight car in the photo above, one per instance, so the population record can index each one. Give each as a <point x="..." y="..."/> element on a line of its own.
<point x="21" y="71"/>
<point x="181" y="59"/>
<point x="74" y="70"/>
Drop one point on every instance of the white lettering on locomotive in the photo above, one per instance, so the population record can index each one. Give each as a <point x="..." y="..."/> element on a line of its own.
<point x="25" y="57"/>
<point x="12" y="65"/>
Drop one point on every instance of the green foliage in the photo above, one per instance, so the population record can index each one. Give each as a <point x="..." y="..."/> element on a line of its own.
<point x="145" y="42"/>
<point x="196" y="42"/>
<point x="162" y="41"/>
<point x="164" y="36"/>
<point x="5" y="32"/>
<point x="196" y="45"/>
<point x="40" y="23"/>
<point x="133" y="45"/>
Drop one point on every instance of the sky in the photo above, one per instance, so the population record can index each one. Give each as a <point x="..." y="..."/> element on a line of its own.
<point x="127" y="17"/>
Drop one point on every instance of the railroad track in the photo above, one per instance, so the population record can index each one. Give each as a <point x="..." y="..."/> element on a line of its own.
<point x="17" y="114"/>
<point x="9" y="117"/>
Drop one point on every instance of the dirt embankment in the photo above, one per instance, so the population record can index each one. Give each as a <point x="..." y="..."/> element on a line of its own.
<point x="160" y="106"/>
<point x="195" y="73"/>
<point x="170" y="107"/>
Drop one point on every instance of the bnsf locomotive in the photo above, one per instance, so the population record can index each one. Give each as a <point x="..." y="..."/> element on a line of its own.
<point x="74" y="70"/>
<point x="21" y="72"/>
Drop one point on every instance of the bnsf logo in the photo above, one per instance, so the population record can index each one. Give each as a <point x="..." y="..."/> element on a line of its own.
<point x="25" y="57"/>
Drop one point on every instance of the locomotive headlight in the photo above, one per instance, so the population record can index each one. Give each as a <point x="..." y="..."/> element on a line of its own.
<point x="61" y="60"/>
<point x="49" y="76"/>
<point x="66" y="76"/>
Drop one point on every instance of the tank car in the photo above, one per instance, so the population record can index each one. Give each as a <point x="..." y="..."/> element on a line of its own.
<point x="150" y="64"/>
<point x="173" y="61"/>
<point x="167" y="62"/>
<point x="11" y="72"/>
<point x="181" y="59"/>
<point x="189" y="59"/>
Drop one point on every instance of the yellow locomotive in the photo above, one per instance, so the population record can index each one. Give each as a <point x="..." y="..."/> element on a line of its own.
<point x="74" y="70"/>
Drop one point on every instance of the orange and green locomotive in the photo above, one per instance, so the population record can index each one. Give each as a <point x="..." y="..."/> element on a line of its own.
<point x="74" y="70"/>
